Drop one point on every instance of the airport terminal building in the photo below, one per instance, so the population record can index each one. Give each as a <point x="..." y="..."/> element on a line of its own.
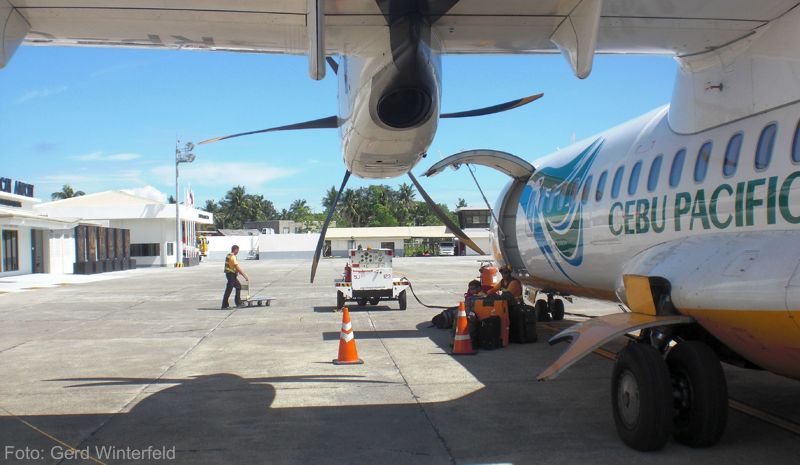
<point x="151" y="223"/>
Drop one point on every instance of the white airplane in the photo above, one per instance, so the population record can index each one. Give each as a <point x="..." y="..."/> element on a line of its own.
<point x="689" y="215"/>
<point x="679" y="236"/>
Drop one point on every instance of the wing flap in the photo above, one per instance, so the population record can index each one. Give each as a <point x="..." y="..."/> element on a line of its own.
<point x="591" y="334"/>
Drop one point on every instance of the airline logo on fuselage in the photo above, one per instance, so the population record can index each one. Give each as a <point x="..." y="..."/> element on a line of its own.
<point x="756" y="201"/>
<point x="553" y="211"/>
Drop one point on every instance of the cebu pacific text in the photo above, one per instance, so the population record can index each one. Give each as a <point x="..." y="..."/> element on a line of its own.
<point x="757" y="201"/>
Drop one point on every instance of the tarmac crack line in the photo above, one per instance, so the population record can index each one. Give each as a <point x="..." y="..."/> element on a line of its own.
<point x="155" y="380"/>
<point x="13" y="347"/>
<point x="414" y="395"/>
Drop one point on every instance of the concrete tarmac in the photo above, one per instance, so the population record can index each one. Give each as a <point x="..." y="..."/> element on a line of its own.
<point x="146" y="368"/>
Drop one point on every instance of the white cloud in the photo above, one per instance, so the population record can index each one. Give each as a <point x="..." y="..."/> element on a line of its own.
<point x="41" y="93"/>
<point x="250" y="175"/>
<point x="148" y="192"/>
<point x="99" y="156"/>
<point x="89" y="183"/>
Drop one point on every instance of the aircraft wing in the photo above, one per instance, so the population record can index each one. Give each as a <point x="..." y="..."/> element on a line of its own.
<point x="677" y="27"/>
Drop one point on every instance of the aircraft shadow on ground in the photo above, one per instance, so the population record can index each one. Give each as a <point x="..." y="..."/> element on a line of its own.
<point x="225" y="418"/>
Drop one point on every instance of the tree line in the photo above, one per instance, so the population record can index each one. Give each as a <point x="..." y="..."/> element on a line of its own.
<point x="376" y="205"/>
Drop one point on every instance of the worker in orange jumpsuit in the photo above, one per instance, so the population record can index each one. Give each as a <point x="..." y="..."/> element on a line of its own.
<point x="508" y="283"/>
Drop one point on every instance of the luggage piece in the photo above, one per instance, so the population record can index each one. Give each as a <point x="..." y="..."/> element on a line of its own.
<point x="523" y="324"/>
<point x="489" y="333"/>
<point x="445" y="319"/>
<point x="494" y="306"/>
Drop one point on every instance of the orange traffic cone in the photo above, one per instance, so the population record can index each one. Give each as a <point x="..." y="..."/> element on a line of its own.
<point x="348" y="355"/>
<point x="462" y="345"/>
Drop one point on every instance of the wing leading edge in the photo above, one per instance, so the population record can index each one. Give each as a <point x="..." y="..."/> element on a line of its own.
<point x="678" y="27"/>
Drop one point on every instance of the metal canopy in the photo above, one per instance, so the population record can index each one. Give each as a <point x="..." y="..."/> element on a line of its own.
<point x="504" y="162"/>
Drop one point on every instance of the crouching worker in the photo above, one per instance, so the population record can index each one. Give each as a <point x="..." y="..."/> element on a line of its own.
<point x="508" y="284"/>
<point x="232" y="269"/>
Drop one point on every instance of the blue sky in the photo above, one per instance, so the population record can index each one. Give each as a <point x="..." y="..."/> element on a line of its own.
<point x="101" y="119"/>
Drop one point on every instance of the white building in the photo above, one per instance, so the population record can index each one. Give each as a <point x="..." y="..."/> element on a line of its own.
<point x="151" y="223"/>
<point x="338" y="241"/>
<point x="30" y="242"/>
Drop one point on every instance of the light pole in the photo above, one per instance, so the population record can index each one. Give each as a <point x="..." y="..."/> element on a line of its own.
<point x="182" y="155"/>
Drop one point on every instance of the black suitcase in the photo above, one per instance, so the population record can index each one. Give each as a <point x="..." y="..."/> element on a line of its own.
<point x="489" y="333"/>
<point x="522" y="319"/>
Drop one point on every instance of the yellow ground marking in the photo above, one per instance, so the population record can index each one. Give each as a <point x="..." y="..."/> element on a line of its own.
<point x="49" y="436"/>
<point x="766" y="417"/>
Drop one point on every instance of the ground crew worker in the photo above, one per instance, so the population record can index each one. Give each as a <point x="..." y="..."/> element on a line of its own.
<point x="232" y="269"/>
<point x="508" y="284"/>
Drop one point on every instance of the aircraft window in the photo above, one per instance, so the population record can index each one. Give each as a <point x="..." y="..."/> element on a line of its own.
<point x="586" y="188"/>
<point x="701" y="164"/>
<point x="655" y="171"/>
<point x="796" y="144"/>
<point x="677" y="168"/>
<point x="732" y="155"/>
<point x="634" y="181"/>
<point x="601" y="186"/>
<point x="766" y="142"/>
<point x="617" y="182"/>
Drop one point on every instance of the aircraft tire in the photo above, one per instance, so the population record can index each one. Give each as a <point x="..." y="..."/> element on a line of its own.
<point x="641" y="398"/>
<point x="403" y="300"/>
<point x="702" y="410"/>
<point x="557" y="310"/>
<point x="339" y="300"/>
<point x="542" y="311"/>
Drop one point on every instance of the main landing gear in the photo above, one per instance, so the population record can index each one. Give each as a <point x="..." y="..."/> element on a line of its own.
<point x="551" y="308"/>
<point x="685" y="396"/>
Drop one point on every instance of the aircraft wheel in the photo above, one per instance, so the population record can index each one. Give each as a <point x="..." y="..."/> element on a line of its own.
<point x="701" y="394"/>
<point x="339" y="299"/>
<point x="641" y="398"/>
<point x="402" y="299"/>
<point x="374" y="301"/>
<point x="542" y="312"/>
<point x="557" y="310"/>
<point x="362" y="302"/>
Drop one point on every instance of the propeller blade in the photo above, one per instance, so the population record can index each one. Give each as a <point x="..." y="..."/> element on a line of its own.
<point x="332" y="63"/>
<point x="330" y="122"/>
<point x="445" y="219"/>
<point x="494" y="108"/>
<point x="321" y="241"/>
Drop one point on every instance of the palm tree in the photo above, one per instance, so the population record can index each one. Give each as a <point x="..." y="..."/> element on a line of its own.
<point x="66" y="192"/>
<point x="405" y="203"/>
<point x="235" y="207"/>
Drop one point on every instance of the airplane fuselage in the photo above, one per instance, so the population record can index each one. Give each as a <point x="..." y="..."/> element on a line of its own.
<point x="708" y="209"/>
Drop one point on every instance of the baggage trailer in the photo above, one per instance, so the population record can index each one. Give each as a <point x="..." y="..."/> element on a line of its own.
<point x="368" y="278"/>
